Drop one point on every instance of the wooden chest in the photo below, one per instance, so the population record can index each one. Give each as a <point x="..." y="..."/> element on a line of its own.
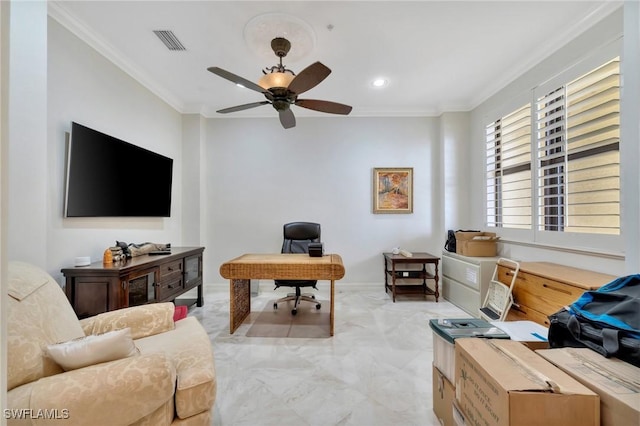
<point x="543" y="288"/>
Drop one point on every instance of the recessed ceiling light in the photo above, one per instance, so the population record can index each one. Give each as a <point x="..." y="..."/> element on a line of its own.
<point x="379" y="82"/>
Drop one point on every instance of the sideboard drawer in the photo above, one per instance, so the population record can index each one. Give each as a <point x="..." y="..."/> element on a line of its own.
<point x="524" y="313"/>
<point x="547" y="295"/>
<point x="169" y="288"/>
<point x="170" y="268"/>
<point x="543" y="288"/>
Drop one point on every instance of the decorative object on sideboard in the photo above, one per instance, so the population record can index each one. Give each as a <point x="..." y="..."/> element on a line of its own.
<point x="133" y="250"/>
<point x="107" y="257"/>
<point x="82" y="261"/>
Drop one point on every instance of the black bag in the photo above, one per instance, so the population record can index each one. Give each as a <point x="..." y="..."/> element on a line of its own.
<point x="450" y="244"/>
<point x="606" y="320"/>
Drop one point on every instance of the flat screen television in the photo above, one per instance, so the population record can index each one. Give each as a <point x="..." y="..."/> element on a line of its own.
<point x="108" y="177"/>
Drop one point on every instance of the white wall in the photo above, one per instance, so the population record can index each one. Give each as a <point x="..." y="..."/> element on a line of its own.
<point x="85" y="87"/>
<point x="260" y="176"/>
<point x="27" y="179"/>
<point x="454" y="138"/>
<point x="517" y="94"/>
<point x="193" y="142"/>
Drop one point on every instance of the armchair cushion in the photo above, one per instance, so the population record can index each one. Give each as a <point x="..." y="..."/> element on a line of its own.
<point x="93" y="349"/>
<point x="144" y="320"/>
<point x="39" y="314"/>
<point x="189" y="346"/>
<point x="111" y="393"/>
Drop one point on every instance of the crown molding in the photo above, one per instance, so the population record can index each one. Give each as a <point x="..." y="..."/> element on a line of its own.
<point x="57" y="11"/>
<point x="571" y="32"/>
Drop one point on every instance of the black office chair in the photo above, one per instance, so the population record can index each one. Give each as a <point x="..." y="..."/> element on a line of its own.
<point x="297" y="236"/>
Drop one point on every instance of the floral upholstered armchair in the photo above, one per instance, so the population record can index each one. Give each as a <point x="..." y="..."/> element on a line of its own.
<point x="133" y="366"/>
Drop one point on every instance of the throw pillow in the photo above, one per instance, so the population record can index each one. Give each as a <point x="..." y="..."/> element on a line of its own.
<point x="93" y="349"/>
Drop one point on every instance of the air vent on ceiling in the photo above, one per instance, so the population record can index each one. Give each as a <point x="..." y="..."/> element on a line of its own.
<point x="169" y="39"/>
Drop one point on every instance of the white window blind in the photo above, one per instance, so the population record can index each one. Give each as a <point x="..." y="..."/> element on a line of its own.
<point x="578" y="159"/>
<point x="508" y="167"/>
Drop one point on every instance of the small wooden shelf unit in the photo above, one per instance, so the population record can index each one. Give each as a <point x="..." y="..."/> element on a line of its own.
<point x="409" y="275"/>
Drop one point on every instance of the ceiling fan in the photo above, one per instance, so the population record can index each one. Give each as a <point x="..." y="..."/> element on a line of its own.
<point x="281" y="87"/>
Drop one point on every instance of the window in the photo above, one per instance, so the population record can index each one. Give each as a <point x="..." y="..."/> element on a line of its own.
<point x="509" y="170"/>
<point x="576" y="159"/>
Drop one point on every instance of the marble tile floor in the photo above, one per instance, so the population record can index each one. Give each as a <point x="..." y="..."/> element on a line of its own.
<point x="375" y="370"/>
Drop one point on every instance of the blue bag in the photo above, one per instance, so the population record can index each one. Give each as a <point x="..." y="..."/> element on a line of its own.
<point x="606" y="320"/>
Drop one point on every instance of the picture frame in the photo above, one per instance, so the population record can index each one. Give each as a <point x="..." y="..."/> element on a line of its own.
<point x="392" y="190"/>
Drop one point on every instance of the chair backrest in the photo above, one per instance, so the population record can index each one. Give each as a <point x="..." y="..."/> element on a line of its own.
<point x="298" y="235"/>
<point x="39" y="314"/>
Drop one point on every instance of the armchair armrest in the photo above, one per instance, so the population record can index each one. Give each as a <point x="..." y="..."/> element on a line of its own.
<point x="144" y="320"/>
<point x="115" y="393"/>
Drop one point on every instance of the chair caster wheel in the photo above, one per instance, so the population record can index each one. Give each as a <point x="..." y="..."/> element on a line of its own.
<point x="318" y="306"/>
<point x="294" y="311"/>
<point x="313" y="296"/>
<point x="275" y="306"/>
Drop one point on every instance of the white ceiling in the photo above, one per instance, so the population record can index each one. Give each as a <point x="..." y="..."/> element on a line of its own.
<point x="436" y="55"/>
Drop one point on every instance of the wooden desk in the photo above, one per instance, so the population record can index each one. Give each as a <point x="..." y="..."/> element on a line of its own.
<point x="399" y="267"/>
<point x="241" y="270"/>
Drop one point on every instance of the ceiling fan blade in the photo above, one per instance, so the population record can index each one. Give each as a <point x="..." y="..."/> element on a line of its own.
<point x="287" y="119"/>
<point x="236" y="79"/>
<point x="243" y="107"/>
<point x="309" y="78"/>
<point x="324" y="106"/>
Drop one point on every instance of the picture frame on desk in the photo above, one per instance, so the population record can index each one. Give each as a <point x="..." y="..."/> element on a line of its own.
<point x="392" y="190"/>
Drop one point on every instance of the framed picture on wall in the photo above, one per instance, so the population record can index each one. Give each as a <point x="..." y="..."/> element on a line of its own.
<point x="393" y="190"/>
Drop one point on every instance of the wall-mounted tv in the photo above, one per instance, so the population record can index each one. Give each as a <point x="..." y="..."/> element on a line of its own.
<point x="108" y="177"/>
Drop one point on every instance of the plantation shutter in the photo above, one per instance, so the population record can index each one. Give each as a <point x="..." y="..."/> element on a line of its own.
<point x="508" y="167"/>
<point x="578" y="137"/>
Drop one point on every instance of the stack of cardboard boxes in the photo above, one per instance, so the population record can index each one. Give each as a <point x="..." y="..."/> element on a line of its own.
<point x="504" y="382"/>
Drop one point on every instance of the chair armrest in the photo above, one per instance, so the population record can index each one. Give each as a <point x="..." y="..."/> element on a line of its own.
<point x="115" y="393"/>
<point x="144" y="320"/>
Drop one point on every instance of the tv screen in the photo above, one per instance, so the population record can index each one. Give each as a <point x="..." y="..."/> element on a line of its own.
<point x="108" y="177"/>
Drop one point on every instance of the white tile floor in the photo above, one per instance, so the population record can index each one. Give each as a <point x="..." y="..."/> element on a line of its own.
<point x="375" y="370"/>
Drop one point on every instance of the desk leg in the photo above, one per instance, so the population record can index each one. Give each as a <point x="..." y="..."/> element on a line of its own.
<point x="240" y="302"/>
<point x="331" y="310"/>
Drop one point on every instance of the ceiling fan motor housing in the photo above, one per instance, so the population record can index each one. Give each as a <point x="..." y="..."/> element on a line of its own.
<point x="280" y="46"/>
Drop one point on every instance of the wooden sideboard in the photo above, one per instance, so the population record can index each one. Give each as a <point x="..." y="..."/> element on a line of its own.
<point x="543" y="288"/>
<point x="143" y="279"/>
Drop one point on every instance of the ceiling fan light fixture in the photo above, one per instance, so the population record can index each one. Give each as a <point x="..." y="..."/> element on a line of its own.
<point x="275" y="79"/>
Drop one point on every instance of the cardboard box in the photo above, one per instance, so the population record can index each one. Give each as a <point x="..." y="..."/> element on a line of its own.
<point x="446" y="330"/>
<point x="458" y="415"/>
<point x="478" y="244"/>
<point x="444" y="393"/>
<point x="502" y="382"/>
<point x="616" y="382"/>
